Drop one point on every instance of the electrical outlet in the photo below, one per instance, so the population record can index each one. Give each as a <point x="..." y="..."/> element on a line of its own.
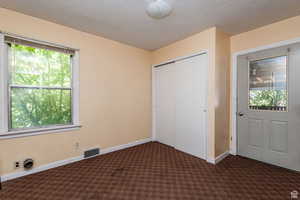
<point x="17" y="164"/>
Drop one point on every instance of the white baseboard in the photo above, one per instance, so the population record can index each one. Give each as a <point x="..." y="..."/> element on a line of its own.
<point x="210" y="160"/>
<point x="125" y="146"/>
<point x="232" y="152"/>
<point x="59" y="163"/>
<point x="218" y="159"/>
<point x="222" y="156"/>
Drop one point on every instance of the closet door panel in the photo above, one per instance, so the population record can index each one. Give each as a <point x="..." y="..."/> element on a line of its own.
<point x="190" y="105"/>
<point x="165" y="104"/>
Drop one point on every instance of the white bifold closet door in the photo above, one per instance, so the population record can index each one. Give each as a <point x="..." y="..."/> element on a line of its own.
<point x="180" y="104"/>
<point x="165" y="86"/>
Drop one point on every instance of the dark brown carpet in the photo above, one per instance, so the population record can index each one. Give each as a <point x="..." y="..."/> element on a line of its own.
<point x="155" y="171"/>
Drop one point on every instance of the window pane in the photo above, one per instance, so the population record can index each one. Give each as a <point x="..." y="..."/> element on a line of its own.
<point x="268" y="84"/>
<point x="39" y="67"/>
<point x="39" y="107"/>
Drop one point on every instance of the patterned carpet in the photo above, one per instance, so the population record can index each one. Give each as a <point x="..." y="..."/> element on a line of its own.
<point x="154" y="171"/>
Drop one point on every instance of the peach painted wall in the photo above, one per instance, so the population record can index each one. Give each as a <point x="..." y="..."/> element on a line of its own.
<point x="202" y="41"/>
<point x="280" y="31"/>
<point x="222" y="87"/>
<point x="272" y="33"/>
<point x="115" y="94"/>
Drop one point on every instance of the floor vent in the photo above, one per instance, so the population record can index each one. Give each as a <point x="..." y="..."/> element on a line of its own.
<point x="91" y="153"/>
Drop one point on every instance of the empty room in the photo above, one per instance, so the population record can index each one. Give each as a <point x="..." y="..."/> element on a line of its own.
<point x="149" y="99"/>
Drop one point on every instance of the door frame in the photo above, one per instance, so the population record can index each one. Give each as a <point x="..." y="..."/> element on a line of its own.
<point x="234" y="87"/>
<point x="153" y="127"/>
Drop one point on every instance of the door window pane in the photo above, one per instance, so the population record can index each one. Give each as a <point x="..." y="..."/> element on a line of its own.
<point x="268" y="84"/>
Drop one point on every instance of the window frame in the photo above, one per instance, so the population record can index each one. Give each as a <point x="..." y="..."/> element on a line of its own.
<point x="287" y="82"/>
<point x="5" y="130"/>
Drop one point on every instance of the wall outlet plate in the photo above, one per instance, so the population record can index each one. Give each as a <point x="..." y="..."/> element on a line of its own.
<point x="17" y="164"/>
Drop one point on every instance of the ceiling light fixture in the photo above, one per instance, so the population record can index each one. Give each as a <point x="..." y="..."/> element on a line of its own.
<point x="159" y="9"/>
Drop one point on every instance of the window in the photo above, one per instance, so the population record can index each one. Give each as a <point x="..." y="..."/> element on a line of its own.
<point x="268" y="84"/>
<point x="41" y="93"/>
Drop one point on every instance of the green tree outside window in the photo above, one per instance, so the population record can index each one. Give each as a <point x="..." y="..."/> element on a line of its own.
<point x="40" y="87"/>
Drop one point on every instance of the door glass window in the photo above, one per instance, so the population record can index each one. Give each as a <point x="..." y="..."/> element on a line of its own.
<point x="268" y="84"/>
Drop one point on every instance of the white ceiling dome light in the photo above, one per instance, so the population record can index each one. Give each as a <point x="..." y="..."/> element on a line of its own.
<point x="159" y="9"/>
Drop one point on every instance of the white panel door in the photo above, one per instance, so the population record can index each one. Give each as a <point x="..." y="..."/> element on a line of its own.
<point x="269" y="106"/>
<point x="191" y="97"/>
<point x="165" y="104"/>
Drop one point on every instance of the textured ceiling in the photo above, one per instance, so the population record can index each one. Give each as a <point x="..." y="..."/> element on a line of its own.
<point x="127" y="22"/>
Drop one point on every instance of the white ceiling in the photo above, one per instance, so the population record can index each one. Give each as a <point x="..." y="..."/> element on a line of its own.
<point x="127" y="22"/>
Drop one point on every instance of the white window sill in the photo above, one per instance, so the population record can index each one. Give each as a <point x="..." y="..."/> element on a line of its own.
<point x="40" y="131"/>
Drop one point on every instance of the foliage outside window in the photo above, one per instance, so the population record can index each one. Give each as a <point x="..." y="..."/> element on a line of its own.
<point x="40" y="87"/>
<point x="268" y="84"/>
